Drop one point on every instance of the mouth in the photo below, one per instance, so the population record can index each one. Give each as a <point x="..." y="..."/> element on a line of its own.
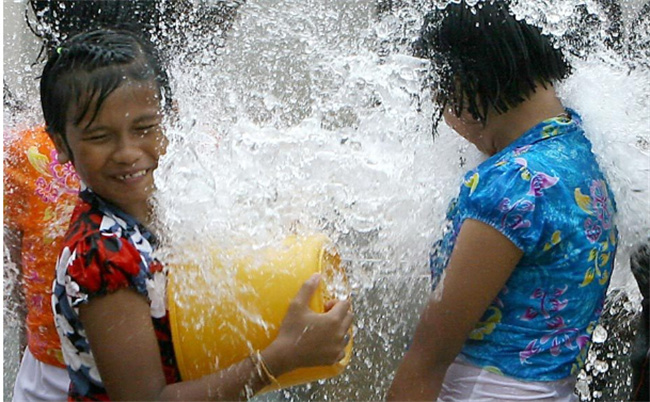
<point x="134" y="175"/>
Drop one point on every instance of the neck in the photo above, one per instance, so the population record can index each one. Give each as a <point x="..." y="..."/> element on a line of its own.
<point x="506" y="127"/>
<point x="142" y="213"/>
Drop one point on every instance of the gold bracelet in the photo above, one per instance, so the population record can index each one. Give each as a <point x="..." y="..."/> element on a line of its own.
<point x="259" y="363"/>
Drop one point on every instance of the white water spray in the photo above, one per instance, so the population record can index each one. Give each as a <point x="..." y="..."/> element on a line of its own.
<point x="312" y="118"/>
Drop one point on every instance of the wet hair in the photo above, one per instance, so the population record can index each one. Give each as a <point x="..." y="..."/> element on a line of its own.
<point x="54" y="21"/>
<point x="172" y="25"/>
<point x="483" y="57"/>
<point x="81" y="73"/>
<point x="638" y="46"/>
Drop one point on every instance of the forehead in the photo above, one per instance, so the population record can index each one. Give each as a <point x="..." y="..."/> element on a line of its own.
<point x="144" y="93"/>
<point x="128" y="97"/>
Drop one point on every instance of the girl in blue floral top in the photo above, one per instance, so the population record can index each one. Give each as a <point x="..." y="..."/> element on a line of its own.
<point x="103" y="95"/>
<point x="522" y="266"/>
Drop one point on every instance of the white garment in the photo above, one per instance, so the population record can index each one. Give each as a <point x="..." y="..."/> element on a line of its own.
<point x="37" y="381"/>
<point x="467" y="382"/>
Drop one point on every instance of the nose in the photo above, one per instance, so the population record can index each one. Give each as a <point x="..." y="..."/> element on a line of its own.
<point x="127" y="150"/>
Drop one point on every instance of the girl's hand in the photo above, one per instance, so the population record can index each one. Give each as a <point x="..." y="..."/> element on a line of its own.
<point x="307" y="338"/>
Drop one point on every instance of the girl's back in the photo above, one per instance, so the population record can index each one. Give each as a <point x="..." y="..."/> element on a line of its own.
<point x="546" y="193"/>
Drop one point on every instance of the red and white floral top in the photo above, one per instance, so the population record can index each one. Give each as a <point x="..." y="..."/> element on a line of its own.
<point x="105" y="249"/>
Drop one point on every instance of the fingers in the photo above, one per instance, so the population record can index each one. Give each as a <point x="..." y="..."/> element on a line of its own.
<point x="344" y="343"/>
<point x="340" y="308"/>
<point x="347" y="321"/>
<point x="329" y="304"/>
<point x="342" y="313"/>
<point x="307" y="290"/>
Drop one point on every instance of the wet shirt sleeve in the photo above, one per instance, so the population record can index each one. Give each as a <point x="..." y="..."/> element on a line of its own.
<point x="98" y="265"/>
<point x="507" y="196"/>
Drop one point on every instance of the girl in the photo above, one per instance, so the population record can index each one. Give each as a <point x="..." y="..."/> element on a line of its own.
<point x="40" y="195"/>
<point x="103" y="95"/>
<point x="525" y="261"/>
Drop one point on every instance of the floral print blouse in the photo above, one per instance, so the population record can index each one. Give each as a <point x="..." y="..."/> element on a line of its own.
<point x="39" y="197"/>
<point x="546" y="193"/>
<point x="105" y="250"/>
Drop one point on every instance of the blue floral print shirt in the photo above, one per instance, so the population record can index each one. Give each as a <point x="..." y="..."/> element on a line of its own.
<point x="546" y="193"/>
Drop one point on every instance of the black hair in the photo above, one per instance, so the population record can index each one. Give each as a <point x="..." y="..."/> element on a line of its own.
<point x="54" y="21"/>
<point x="638" y="46"/>
<point x="88" y="67"/>
<point x="170" y="24"/>
<point x="483" y="57"/>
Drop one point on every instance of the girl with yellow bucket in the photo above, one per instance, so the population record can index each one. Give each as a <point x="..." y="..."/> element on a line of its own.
<point x="103" y="94"/>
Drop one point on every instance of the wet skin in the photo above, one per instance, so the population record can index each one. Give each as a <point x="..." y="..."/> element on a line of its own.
<point x="116" y="153"/>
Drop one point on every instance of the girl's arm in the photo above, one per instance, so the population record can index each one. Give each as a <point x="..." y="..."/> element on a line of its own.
<point x="124" y="345"/>
<point x="480" y="264"/>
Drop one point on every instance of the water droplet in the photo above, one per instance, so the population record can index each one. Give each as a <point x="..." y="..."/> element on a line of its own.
<point x="630" y="306"/>
<point x="583" y="388"/>
<point x="601" y="366"/>
<point x="599" y="335"/>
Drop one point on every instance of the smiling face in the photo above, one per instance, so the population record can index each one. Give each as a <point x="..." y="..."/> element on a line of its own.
<point x="116" y="153"/>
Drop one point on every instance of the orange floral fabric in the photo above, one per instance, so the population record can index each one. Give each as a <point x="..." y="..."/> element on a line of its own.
<point x="39" y="197"/>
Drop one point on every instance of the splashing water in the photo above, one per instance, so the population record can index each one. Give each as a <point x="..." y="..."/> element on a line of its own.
<point x="312" y="118"/>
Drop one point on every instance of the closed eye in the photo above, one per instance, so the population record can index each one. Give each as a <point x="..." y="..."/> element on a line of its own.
<point x="146" y="129"/>
<point x="96" y="137"/>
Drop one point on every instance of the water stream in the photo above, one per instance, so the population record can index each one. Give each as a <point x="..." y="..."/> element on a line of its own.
<point x="310" y="117"/>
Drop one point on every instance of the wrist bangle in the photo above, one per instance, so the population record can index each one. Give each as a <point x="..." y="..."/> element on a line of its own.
<point x="260" y="365"/>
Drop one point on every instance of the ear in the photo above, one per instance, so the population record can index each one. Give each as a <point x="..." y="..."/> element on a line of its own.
<point x="61" y="148"/>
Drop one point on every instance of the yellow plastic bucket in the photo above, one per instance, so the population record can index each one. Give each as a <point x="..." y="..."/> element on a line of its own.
<point x="220" y="315"/>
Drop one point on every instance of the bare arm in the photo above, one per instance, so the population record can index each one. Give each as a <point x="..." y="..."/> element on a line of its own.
<point x="480" y="264"/>
<point x="124" y="345"/>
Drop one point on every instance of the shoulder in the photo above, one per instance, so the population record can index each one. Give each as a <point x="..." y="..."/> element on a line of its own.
<point x="31" y="166"/>
<point x="26" y="170"/>
<point x="509" y="175"/>
<point x="34" y="140"/>
<point x="95" y="256"/>
<point x="25" y="157"/>
<point x="506" y="194"/>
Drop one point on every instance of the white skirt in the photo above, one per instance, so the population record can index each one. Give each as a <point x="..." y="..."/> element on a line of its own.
<point x="37" y="381"/>
<point x="466" y="382"/>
